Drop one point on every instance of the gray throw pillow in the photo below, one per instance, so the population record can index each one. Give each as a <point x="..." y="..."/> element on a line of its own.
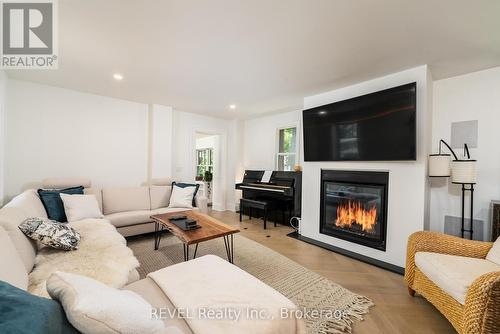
<point x="51" y="233"/>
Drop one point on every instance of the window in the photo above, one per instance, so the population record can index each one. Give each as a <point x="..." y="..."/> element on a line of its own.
<point x="287" y="157"/>
<point x="204" y="161"/>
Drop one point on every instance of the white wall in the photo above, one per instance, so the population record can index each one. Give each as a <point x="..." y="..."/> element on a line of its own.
<point x="184" y="154"/>
<point x="474" y="96"/>
<point x="407" y="180"/>
<point x="259" y="139"/>
<point x="160" y="155"/>
<point x="54" y="132"/>
<point x="207" y="142"/>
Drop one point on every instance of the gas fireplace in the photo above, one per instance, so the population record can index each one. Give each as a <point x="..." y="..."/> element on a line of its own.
<point x="354" y="206"/>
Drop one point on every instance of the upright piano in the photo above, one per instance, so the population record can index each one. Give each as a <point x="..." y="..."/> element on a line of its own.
<point x="283" y="187"/>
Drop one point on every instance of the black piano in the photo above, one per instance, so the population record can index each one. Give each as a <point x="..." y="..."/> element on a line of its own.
<point x="283" y="187"/>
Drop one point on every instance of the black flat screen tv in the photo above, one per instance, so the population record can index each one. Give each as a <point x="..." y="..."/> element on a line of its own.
<point x="380" y="126"/>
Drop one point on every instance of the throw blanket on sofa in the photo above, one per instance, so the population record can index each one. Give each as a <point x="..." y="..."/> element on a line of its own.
<point x="103" y="255"/>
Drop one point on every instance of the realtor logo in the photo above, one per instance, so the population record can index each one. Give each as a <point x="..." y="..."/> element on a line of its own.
<point x="29" y="34"/>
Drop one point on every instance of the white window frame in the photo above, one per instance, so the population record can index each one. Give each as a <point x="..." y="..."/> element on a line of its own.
<point x="277" y="146"/>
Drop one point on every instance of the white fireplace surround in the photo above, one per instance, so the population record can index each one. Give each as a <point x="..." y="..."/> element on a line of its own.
<point x="408" y="192"/>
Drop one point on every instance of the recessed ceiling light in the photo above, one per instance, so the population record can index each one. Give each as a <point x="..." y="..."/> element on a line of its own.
<point x="232" y="106"/>
<point x="118" y="76"/>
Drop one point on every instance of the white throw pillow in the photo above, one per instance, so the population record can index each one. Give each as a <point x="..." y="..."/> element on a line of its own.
<point x="494" y="253"/>
<point x="182" y="197"/>
<point x="78" y="207"/>
<point x="93" y="307"/>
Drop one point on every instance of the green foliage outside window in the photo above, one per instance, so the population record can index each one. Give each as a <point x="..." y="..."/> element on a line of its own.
<point x="204" y="161"/>
<point x="287" y="150"/>
<point x="287" y="140"/>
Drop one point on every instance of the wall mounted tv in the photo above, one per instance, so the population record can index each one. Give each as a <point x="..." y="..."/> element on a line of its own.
<point x="379" y="126"/>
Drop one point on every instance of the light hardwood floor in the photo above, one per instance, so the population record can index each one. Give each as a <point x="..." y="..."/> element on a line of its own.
<point x="394" y="312"/>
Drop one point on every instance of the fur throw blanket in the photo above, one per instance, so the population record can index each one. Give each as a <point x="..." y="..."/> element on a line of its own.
<point x="102" y="255"/>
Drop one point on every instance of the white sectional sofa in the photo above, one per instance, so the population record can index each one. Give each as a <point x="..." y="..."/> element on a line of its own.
<point x="26" y="205"/>
<point x="129" y="208"/>
<point x="210" y="280"/>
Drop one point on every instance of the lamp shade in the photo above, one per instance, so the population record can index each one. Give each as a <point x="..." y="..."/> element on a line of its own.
<point x="463" y="171"/>
<point x="439" y="165"/>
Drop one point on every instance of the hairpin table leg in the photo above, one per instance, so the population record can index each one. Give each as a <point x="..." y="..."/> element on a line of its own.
<point x="195" y="250"/>
<point x="157" y="235"/>
<point x="226" y="245"/>
<point x="232" y="249"/>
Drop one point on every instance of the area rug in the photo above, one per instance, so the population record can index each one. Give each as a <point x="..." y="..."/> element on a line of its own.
<point x="327" y="306"/>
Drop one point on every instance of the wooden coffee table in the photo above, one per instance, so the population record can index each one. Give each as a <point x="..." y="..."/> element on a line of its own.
<point x="211" y="228"/>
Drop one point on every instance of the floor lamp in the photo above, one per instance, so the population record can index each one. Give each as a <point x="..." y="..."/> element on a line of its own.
<point x="462" y="171"/>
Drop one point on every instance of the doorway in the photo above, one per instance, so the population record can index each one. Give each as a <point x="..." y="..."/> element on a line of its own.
<point x="208" y="170"/>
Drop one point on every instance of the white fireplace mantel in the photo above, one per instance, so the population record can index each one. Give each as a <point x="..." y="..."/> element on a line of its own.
<point x="408" y="193"/>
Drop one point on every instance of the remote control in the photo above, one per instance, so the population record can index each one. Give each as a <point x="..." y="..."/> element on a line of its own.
<point x="178" y="217"/>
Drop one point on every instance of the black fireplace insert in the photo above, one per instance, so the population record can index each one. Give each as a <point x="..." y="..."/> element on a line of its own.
<point x="354" y="206"/>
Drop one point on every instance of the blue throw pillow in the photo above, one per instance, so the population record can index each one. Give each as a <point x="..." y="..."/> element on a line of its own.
<point x="22" y="312"/>
<point x="184" y="185"/>
<point x="53" y="203"/>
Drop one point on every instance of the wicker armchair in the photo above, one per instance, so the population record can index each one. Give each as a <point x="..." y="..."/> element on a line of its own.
<point x="481" y="311"/>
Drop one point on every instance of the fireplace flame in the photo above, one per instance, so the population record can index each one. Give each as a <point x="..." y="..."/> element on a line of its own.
<point x="350" y="213"/>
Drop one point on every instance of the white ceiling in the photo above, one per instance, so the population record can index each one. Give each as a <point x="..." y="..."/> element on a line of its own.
<point x="262" y="55"/>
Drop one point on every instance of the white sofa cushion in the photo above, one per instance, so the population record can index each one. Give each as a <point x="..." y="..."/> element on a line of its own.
<point x="30" y="203"/>
<point x="494" y="253"/>
<point x="160" y="196"/>
<point x="125" y="199"/>
<point x="182" y="197"/>
<point x="12" y="268"/>
<point x="453" y="274"/>
<point x="93" y="307"/>
<point x="120" y="219"/>
<point x="129" y="218"/>
<point x="10" y="219"/>
<point x="78" y="207"/>
<point x="61" y="183"/>
<point x="152" y="293"/>
<point x="225" y="286"/>
<point x="166" y="181"/>
<point x="97" y="192"/>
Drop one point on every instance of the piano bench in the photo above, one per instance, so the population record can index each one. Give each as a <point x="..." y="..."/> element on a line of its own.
<point x="257" y="204"/>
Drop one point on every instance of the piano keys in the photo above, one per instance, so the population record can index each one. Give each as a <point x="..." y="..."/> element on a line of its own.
<point x="269" y="187"/>
<point x="284" y="187"/>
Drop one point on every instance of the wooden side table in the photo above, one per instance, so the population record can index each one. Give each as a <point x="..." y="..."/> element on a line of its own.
<point x="495" y="220"/>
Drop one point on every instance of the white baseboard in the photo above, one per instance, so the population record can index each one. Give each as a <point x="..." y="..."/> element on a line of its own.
<point x="218" y="208"/>
<point x="232" y="206"/>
